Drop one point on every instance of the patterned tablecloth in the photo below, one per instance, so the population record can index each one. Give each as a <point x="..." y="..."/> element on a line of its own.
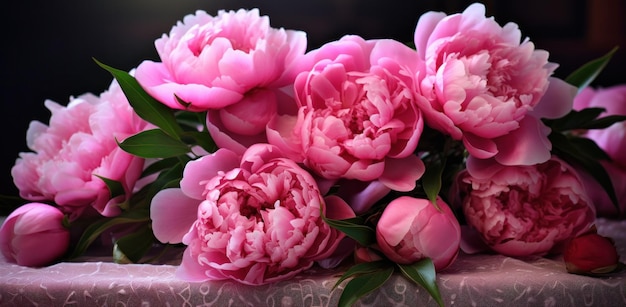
<point x="473" y="280"/>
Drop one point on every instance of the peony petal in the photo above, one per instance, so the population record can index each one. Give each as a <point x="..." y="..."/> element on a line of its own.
<point x="556" y="101"/>
<point x="425" y="27"/>
<point x="198" y="171"/>
<point x="401" y="174"/>
<point x="172" y="214"/>
<point x="526" y="145"/>
<point x="397" y="219"/>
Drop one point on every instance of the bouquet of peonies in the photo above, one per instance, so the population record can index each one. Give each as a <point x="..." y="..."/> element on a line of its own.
<point x="263" y="159"/>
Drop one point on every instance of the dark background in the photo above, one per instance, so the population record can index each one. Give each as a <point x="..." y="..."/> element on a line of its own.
<point x="48" y="46"/>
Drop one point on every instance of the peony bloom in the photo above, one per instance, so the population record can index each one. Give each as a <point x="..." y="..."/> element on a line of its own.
<point x="233" y="64"/>
<point x="358" y="117"/>
<point x="412" y="228"/>
<point x="255" y="219"/>
<point x="590" y="253"/>
<point x="524" y="210"/>
<point x="75" y="149"/>
<point x="485" y="86"/>
<point x="34" y="235"/>
<point x="612" y="140"/>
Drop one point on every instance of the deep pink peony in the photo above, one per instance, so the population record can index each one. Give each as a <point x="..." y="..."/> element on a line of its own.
<point x="255" y="219"/>
<point x="77" y="146"/>
<point x="34" y="235"/>
<point x="612" y="140"/>
<point x="411" y="229"/>
<point x="483" y="83"/>
<point x="524" y="210"/>
<point x="358" y="116"/>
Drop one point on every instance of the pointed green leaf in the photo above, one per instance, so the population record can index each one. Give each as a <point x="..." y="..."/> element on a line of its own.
<point x="159" y="166"/>
<point x="145" y="105"/>
<point x="115" y="187"/>
<point x="154" y="144"/>
<point x="203" y="139"/>
<point x="362" y="285"/>
<point x="95" y="229"/>
<point x="134" y="246"/>
<point x="167" y="178"/>
<point x="363" y="234"/>
<point x="363" y="268"/>
<point x="423" y="273"/>
<point x="604" y="122"/>
<point x="431" y="180"/>
<point x="584" y="75"/>
<point x="574" y="119"/>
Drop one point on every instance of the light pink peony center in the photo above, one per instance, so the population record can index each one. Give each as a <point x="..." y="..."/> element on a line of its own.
<point x="242" y="36"/>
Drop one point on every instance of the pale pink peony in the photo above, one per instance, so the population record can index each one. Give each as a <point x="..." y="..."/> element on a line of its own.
<point x="411" y="229"/>
<point x="524" y="211"/>
<point x="482" y="83"/>
<point x="233" y="64"/>
<point x="34" y="235"/>
<point x="255" y="219"/>
<point x="77" y="146"/>
<point x="212" y="62"/>
<point x="358" y="116"/>
<point x="612" y="140"/>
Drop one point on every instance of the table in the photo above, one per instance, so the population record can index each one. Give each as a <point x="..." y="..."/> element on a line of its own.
<point x="473" y="280"/>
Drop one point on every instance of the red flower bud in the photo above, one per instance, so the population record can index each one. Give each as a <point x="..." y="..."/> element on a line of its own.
<point x="591" y="253"/>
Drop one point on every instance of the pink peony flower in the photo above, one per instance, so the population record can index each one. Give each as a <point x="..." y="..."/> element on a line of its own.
<point x="524" y="210"/>
<point x="212" y="62"/>
<point x="358" y="117"/>
<point x="233" y="64"/>
<point x="255" y="219"/>
<point x="76" y="147"/>
<point x="483" y="84"/>
<point x="612" y="140"/>
<point x="411" y="229"/>
<point x="34" y="235"/>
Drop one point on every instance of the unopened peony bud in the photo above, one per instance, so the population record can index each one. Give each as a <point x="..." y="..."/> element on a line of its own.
<point x="591" y="253"/>
<point x="34" y="235"/>
<point x="412" y="228"/>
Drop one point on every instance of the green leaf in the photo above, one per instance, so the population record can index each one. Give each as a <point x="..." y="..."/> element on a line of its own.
<point x="423" y="273"/>
<point x="159" y="165"/>
<point x="363" y="268"/>
<point x="574" y="119"/>
<point x="154" y="144"/>
<point x="145" y="105"/>
<point x="431" y="180"/>
<point x="132" y="247"/>
<point x="115" y="187"/>
<point x="362" y="285"/>
<point x="201" y="138"/>
<point x="168" y="178"/>
<point x="604" y="122"/>
<point x="363" y="234"/>
<point x="95" y="229"/>
<point x="584" y="75"/>
<point x="586" y="154"/>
